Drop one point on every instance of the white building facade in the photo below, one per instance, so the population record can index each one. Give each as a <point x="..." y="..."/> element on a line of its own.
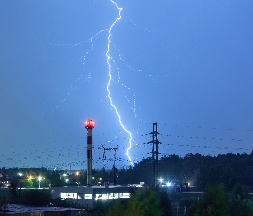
<point x="88" y="196"/>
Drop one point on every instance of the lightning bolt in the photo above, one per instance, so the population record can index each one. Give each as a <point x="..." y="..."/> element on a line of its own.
<point x="109" y="83"/>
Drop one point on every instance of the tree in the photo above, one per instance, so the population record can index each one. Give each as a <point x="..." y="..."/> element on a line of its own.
<point x="144" y="203"/>
<point x="56" y="180"/>
<point x="13" y="191"/>
<point x="240" y="190"/>
<point x="241" y="207"/>
<point x="26" y="183"/>
<point x="213" y="203"/>
<point x="82" y="178"/>
<point x="165" y="204"/>
<point x="240" y="204"/>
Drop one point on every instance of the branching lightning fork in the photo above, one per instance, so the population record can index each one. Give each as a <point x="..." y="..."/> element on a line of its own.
<point x="109" y="82"/>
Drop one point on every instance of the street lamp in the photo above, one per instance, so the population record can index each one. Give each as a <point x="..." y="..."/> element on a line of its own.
<point x="39" y="178"/>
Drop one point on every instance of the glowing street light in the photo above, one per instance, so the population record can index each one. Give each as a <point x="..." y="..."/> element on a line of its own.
<point x="161" y="180"/>
<point x="39" y="178"/>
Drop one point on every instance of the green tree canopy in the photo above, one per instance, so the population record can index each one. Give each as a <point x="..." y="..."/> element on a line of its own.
<point x="213" y="203"/>
<point x="144" y="203"/>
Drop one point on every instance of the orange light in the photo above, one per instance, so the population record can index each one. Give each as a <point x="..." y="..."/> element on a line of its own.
<point x="89" y="124"/>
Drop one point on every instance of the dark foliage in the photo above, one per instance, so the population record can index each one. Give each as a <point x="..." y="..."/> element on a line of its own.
<point x="35" y="197"/>
<point x="144" y="202"/>
<point x="240" y="203"/>
<point x="165" y="204"/>
<point x="241" y="207"/>
<point x="56" y="180"/>
<point x="13" y="192"/>
<point x="3" y="201"/>
<point x="197" y="169"/>
<point x="213" y="203"/>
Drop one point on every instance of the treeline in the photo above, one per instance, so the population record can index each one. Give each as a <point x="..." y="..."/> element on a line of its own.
<point x="215" y="201"/>
<point x="196" y="169"/>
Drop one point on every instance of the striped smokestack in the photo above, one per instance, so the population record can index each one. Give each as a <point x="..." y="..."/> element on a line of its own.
<point x="89" y="124"/>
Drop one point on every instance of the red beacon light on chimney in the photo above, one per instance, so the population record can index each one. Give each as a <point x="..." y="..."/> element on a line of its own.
<point x="89" y="124"/>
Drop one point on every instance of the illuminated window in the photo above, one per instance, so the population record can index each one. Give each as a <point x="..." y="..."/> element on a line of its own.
<point x="124" y="195"/>
<point x="68" y="195"/>
<point x="80" y="196"/>
<point x="98" y="196"/>
<point x="113" y="195"/>
<point x="104" y="196"/>
<point x="64" y="196"/>
<point x="88" y="196"/>
<point x="74" y="196"/>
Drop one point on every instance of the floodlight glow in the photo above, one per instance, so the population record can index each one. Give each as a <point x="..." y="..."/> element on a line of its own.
<point x="161" y="180"/>
<point x="169" y="184"/>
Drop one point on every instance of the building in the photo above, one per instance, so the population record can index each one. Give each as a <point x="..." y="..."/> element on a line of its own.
<point x="88" y="196"/>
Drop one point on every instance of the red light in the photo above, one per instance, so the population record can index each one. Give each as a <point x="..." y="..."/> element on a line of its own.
<point x="89" y="124"/>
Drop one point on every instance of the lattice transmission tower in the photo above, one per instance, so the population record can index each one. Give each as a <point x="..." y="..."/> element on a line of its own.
<point x="155" y="153"/>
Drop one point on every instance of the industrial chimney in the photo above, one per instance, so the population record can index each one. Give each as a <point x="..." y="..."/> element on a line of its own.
<point x="89" y="124"/>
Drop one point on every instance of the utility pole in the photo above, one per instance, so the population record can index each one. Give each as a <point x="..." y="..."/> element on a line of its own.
<point x="114" y="167"/>
<point x="155" y="152"/>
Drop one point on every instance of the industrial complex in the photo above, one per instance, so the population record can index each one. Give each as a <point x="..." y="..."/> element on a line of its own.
<point x="88" y="196"/>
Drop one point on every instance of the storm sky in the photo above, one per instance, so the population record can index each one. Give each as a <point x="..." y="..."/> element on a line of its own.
<point x="187" y="65"/>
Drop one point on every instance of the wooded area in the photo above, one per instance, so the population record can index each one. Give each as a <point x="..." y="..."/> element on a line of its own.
<point x="196" y="169"/>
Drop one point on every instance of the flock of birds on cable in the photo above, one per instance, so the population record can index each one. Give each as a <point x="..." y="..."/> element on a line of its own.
<point x="65" y="155"/>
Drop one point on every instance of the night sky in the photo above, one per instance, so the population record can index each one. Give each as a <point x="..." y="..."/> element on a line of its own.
<point x="187" y="65"/>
